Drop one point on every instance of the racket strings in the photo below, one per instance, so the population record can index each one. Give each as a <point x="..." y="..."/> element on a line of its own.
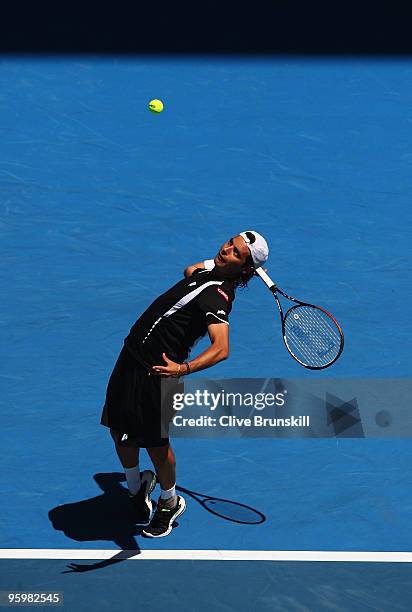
<point x="312" y="336"/>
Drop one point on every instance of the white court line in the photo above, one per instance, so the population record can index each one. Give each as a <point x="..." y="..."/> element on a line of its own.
<point x="208" y="555"/>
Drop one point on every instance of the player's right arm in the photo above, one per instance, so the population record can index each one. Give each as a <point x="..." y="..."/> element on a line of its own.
<point x="190" y="269"/>
<point x="208" y="264"/>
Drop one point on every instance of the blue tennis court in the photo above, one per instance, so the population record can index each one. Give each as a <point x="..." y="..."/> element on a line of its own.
<point x="103" y="206"/>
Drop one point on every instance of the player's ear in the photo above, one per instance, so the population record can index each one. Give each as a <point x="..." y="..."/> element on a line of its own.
<point x="247" y="274"/>
<point x="248" y="269"/>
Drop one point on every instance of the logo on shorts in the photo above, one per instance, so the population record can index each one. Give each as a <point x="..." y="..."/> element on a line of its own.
<point x="225" y="295"/>
<point x="124" y="437"/>
<point x="221" y="312"/>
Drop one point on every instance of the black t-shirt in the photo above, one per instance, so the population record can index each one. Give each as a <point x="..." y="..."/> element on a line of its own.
<point x="179" y="317"/>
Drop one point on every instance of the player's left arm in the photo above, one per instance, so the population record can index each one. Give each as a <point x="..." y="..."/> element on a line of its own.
<point x="217" y="351"/>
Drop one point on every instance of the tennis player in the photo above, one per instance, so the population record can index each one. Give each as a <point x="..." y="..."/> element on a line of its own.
<point x="158" y="347"/>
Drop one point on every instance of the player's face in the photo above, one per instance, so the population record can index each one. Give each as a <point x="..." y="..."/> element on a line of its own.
<point x="232" y="255"/>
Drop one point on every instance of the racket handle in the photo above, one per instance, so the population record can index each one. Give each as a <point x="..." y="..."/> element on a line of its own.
<point x="265" y="277"/>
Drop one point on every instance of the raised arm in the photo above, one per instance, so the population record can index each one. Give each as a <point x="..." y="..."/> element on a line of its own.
<point x="207" y="264"/>
<point x="190" y="269"/>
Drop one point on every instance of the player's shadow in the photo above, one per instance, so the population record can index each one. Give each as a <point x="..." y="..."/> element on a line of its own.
<point x="106" y="517"/>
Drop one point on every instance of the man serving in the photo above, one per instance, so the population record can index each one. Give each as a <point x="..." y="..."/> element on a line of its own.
<point x="158" y="346"/>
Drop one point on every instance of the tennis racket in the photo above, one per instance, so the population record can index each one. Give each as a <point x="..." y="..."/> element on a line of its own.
<point x="311" y="334"/>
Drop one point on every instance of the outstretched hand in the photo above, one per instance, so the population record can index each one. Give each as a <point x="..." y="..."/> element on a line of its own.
<point x="170" y="369"/>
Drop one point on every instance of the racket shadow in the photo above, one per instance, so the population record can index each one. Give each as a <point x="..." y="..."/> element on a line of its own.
<point x="234" y="512"/>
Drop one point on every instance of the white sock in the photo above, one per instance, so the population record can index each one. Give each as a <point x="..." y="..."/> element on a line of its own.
<point x="133" y="479"/>
<point x="169" y="497"/>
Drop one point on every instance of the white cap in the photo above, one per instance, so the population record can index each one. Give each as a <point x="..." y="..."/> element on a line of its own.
<point x="258" y="248"/>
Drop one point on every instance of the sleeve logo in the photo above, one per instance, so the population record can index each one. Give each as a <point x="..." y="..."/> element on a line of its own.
<point x="225" y="295"/>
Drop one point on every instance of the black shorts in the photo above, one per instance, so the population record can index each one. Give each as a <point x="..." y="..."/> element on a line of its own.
<point x="134" y="405"/>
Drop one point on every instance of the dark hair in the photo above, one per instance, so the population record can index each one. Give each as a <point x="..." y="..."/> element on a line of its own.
<point x="246" y="274"/>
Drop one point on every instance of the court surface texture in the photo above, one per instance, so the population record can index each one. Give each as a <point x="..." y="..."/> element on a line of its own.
<point x="103" y="204"/>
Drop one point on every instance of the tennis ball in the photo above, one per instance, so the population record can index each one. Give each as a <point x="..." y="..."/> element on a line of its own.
<point x="156" y="106"/>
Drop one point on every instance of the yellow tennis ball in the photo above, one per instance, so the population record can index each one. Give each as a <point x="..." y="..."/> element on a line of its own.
<point x="156" y="106"/>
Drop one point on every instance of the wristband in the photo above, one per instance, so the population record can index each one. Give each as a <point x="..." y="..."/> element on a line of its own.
<point x="187" y="367"/>
<point x="209" y="264"/>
